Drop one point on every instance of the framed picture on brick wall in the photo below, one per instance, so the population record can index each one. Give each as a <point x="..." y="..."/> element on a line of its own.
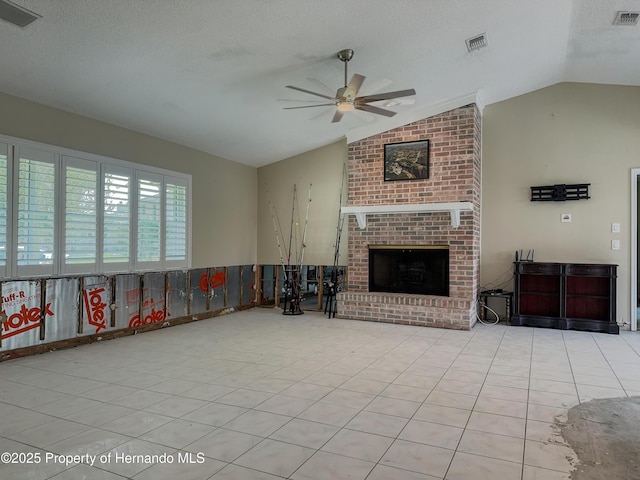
<point x="406" y="160"/>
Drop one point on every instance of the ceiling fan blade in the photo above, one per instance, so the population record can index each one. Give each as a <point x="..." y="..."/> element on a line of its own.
<point x="394" y="102"/>
<point x="387" y="95"/>
<point x="378" y="110"/>
<point x="323" y="87"/>
<point x="322" y="114"/>
<point x="355" y="83"/>
<point x="294" y="100"/>
<point x="376" y="86"/>
<point x="311" y="106"/>
<point x="310" y="92"/>
<point x="337" y="117"/>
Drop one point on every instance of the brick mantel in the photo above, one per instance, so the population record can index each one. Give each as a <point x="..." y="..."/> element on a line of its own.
<point x="396" y="213"/>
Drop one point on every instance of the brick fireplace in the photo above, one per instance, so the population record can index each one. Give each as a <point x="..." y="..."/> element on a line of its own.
<point x="454" y="177"/>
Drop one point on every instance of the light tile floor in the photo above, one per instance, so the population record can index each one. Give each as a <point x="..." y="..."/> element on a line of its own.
<point x="257" y="395"/>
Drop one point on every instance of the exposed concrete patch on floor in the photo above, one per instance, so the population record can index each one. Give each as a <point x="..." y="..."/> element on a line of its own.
<point x="605" y="435"/>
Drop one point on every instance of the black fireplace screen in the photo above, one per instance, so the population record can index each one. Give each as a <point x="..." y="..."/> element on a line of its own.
<point x="413" y="269"/>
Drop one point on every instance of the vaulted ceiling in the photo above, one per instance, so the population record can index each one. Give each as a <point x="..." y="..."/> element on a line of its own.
<point x="212" y="74"/>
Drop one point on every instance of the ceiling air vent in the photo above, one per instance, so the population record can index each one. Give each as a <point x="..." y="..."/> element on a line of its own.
<point x="477" y="42"/>
<point x="627" y="18"/>
<point x="16" y="15"/>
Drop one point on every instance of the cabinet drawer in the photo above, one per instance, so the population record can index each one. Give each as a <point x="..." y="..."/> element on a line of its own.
<point x="591" y="270"/>
<point x="540" y="268"/>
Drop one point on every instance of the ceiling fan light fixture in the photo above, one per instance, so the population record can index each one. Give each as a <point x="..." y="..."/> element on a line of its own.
<point x="345" y="106"/>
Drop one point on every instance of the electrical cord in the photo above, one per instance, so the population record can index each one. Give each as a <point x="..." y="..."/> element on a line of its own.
<point x="484" y="321"/>
<point x="501" y="281"/>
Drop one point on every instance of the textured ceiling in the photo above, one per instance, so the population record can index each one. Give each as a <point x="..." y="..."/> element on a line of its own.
<point x="211" y="74"/>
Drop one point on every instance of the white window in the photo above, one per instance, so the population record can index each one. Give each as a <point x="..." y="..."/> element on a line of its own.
<point x="4" y="213"/>
<point x="36" y="212"/>
<point x="67" y="212"/>
<point x="80" y="215"/>
<point x="149" y="220"/>
<point x="176" y="224"/>
<point x="116" y="218"/>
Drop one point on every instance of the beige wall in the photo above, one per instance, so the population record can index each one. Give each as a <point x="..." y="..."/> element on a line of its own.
<point x="322" y="168"/>
<point x="566" y="133"/>
<point x="224" y="192"/>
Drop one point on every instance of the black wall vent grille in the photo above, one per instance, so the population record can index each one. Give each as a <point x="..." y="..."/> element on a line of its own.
<point x="560" y="192"/>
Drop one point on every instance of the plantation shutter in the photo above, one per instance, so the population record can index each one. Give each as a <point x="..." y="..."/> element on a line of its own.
<point x="176" y="220"/>
<point x="80" y="215"/>
<point x="36" y="212"/>
<point x="117" y="218"/>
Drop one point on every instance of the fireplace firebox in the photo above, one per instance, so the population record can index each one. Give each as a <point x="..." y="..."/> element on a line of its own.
<point x="421" y="269"/>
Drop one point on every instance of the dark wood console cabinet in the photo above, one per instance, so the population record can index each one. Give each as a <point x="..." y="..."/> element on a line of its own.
<point x="576" y="296"/>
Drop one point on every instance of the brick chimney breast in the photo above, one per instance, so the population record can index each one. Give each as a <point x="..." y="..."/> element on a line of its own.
<point x="454" y="176"/>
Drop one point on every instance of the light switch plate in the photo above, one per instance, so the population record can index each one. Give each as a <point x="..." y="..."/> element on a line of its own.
<point x="615" y="244"/>
<point x="565" y="218"/>
<point x="615" y="228"/>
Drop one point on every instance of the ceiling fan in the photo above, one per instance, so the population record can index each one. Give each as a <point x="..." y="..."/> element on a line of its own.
<point x="346" y="98"/>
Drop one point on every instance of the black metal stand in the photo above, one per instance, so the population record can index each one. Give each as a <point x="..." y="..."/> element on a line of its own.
<point x="330" y="303"/>
<point x="291" y="291"/>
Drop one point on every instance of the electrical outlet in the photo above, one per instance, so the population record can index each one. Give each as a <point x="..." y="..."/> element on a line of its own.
<point x="615" y="244"/>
